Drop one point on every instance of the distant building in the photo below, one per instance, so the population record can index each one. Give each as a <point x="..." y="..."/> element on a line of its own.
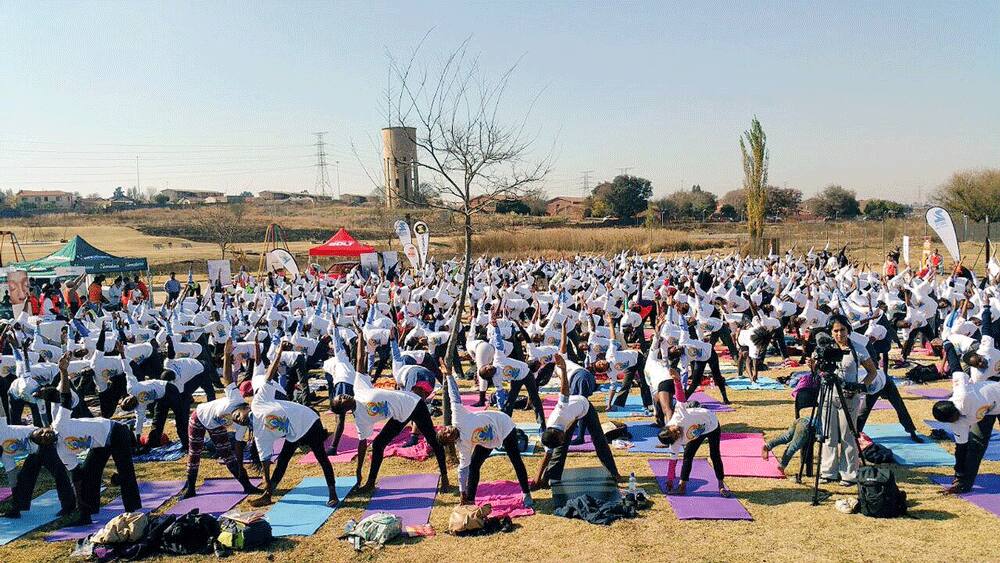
<point x="353" y="199"/>
<point x="568" y="207"/>
<point x="189" y="196"/>
<point x="45" y="199"/>
<point x="269" y="195"/>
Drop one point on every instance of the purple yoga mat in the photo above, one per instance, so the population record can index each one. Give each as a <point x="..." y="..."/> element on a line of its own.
<point x="5" y="493"/>
<point x="586" y="446"/>
<point x="985" y="493"/>
<point x="215" y="496"/>
<point x="936" y="393"/>
<point x="152" y="493"/>
<point x="709" y="402"/>
<point x="408" y="496"/>
<point x="702" y="501"/>
<point x="882" y="405"/>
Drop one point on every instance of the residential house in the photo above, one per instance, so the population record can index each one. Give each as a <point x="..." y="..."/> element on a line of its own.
<point x="45" y="199"/>
<point x="189" y="196"/>
<point x="569" y="207"/>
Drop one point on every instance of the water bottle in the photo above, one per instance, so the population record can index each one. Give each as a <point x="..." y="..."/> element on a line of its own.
<point x="349" y="527"/>
<point x="631" y="483"/>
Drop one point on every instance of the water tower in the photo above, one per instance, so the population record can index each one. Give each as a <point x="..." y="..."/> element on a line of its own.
<point x="399" y="165"/>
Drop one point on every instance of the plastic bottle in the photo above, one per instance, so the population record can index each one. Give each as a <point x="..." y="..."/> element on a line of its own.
<point x="631" y="483"/>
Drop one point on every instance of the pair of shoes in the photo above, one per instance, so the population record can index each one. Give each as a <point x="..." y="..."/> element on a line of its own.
<point x="848" y="484"/>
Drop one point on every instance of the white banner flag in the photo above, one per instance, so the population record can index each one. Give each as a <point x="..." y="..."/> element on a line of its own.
<point x="940" y="221"/>
<point x="403" y="232"/>
<point x="906" y="250"/>
<point x="423" y="240"/>
<point x="412" y="254"/>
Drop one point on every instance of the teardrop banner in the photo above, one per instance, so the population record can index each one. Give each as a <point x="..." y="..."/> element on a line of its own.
<point x="413" y="255"/>
<point x="423" y="240"/>
<point x="940" y="221"/>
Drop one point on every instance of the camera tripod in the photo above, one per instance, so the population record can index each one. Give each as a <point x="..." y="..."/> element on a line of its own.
<point x="824" y="411"/>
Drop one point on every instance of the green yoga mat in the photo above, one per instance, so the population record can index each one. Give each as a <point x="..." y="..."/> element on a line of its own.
<point x="578" y="481"/>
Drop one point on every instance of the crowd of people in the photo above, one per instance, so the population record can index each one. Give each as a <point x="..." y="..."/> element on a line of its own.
<point x="102" y="373"/>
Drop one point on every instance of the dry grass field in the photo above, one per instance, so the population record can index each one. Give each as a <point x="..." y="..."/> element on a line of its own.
<point x="785" y="526"/>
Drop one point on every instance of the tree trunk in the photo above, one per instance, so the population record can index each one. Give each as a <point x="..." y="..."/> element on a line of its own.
<point x="457" y="321"/>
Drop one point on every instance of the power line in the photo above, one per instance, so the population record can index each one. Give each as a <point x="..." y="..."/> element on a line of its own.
<point x="624" y="169"/>
<point x="322" y="177"/>
<point x="586" y="180"/>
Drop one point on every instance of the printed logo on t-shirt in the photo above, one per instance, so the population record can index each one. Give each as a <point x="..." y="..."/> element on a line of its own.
<point x="45" y="355"/>
<point x="15" y="446"/>
<point x="981" y="412"/>
<point x="146" y="396"/>
<point x="508" y="372"/>
<point x="77" y="444"/>
<point x="377" y="408"/>
<point x="483" y="434"/>
<point x="106" y="376"/>
<point x="695" y="430"/>
<point x="276" y="423"/>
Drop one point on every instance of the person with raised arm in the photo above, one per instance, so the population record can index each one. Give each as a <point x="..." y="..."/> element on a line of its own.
<point x="476" y="435"/>
<point x="571" y="410"/>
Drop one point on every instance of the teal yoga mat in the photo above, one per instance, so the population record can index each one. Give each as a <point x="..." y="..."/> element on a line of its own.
<point x="303" y="509"/>
<point x="904" y="450"/>
<point x="43" y="511"/>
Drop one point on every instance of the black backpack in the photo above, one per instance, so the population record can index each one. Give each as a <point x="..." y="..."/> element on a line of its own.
<point x="877" y="453"/>
<point x="923" y="374"/>
<point x="878" y="495"/>
<point x="190" y="534"/>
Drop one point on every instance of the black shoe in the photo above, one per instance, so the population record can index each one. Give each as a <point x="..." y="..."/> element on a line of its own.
<point x="83" y="520"/>
<point x="10" y="513"/>
<point x="916" y="438"/>
<point x="65" y="511"/>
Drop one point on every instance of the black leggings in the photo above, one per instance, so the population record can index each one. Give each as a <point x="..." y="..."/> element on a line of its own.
<point x="421" y="417"/>
<point x="314" y="438"/>
<point x="592" y="424"/>
<point x="969" y="456"/>
<point x="515" y="388"/>
<point x="481" y="454"/>
<point x="88" y="475"/>
<point x="891" y="394"/>
<point x="631" y="376"/>
<point x="45" y="457"/>
<point x="698" y="372"/>
<point x="714" y="437"/>
<point x="108" y="399"/>
<point x="172" y="400"/>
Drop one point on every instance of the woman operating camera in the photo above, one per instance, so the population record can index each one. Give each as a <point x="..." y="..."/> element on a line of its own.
<point x="840" y="447"/>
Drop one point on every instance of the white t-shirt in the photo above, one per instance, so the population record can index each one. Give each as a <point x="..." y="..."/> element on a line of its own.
<point x="77" y="435"/>
<point x="567" y="411"/>
<point x="14" y="443"/>
<point x="375" y="405"/>
<point x="693" y="422"/>
<point x="185" y="369"/>
<point x="214" y="414"/>
<point x="273" y="419"/>
<point x="974" y="401"/>
<point x="511" y="369"/>
<point x="487" y="428"/>
<point x="145" y="392"/>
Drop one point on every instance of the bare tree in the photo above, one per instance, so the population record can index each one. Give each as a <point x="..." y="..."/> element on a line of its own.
<point x="469" y="154"/>
<point x="755" y="162"/>
<point x="221" y="224"/>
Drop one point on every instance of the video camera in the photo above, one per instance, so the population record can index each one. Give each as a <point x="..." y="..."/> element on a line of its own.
<point x="828" y="357"/>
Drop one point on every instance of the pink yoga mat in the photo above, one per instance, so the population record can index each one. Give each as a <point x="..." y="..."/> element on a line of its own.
<point x="702" y="501"/>
<point x="470" y="399"/>
<point x="745" y="466"/>
<point x="347" y="450"/>
<point x="935" y="393"/>
<point x="745" y="444"/>
<point x="5" y="493"/>
<point x="505" y="497"/>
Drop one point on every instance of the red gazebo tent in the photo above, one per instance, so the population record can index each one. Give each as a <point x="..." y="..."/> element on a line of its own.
<point x="341" y="244"/>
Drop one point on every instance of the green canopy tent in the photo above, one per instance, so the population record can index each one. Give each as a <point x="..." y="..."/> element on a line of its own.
<point x="81" y="253"/>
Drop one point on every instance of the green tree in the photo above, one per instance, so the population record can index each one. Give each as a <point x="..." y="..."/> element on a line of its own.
<point x="753" y="147"/>
<point x="119" y="192"/>
<point x="687" y="205"/>
<point x="975" y="193"/>
<point x="883" y="208"/>
<point x="835" y="202"/>
<point x="779" y="202"/>
<point x="729" y="212"/>
<point x="160" y="199"/>
<point x="625" y="196"/>
<point x="513" y="206"/>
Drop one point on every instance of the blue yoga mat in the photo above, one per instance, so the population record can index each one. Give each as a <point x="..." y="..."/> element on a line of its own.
<point x="631" y="409"/>
<point x="906" y="451"/>
<point x="43" y="511"/>
<point x="744" y="384"/>
<point x="170" y="452"/>
<point x="992" y="447"/>
<point x="644" y="439"/>
<point x="303" y="509"/>
<point x="534" y="432"/>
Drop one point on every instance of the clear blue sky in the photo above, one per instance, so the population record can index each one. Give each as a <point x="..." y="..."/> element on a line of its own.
<point x="883" y="98"/>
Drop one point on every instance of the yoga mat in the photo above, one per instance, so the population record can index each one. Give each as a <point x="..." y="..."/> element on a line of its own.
<point x="882" y="405"/>
<point x="5" y="493"/>
<point x="470" y="399"/>
<point x="347" y="450"/>
<point x="586" y="447"/>
<point x="44" y="509"/>
<point x="935" y="393"/>
<point x="744" y="444"/>
<point x="152" y="493"/>
<point x="702" y="500"/>
<point x="710" y="403"/>
<point x="992" y="447"/>
<point x="171" y="452"/>
<point x="746" y="466"/>
<point x="631" y="409"/>
<point x="534" y="433"/>
<point x="549" y="403"/>
<point x="985" y="492"/>
<point x="303" y="509"/>
<point x="215" y="496"/>
<point x="578" y="481"/>
<point x="744" y="384"/>
<point x="410" y="497"/>
<point x="644" y="439"/>
<point x="904" y="450"/>
<point x="505" y="498"/>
